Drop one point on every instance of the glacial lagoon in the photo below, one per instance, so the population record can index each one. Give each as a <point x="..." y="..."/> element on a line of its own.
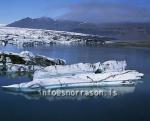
<point x="131" y="104"/>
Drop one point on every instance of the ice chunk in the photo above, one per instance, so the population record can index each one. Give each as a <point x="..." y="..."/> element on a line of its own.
<point x="79" y="75"/>
<point x="114" y="65"/>
<point x="27" y="54"/>
<point x="61" y="70"/>
<point x="79" y="80"/>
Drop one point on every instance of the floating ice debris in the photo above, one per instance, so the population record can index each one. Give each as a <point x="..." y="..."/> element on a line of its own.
<point x="79" y="75"/>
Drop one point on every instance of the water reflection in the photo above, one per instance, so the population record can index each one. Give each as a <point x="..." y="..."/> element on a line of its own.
<point x="78" y="93"/>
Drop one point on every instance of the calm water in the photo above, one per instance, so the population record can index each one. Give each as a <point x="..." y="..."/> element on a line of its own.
<point x="132" y="106"/>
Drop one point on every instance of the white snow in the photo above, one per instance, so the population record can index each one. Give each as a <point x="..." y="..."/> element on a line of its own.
<point x="27" y="54"/>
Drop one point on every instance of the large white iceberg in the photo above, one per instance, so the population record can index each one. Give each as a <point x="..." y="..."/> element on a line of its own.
<point x="80" y="68"/>
<point x="112" y="73"/>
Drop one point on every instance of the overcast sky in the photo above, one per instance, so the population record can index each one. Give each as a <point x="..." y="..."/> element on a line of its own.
<point x="96" y="11"/>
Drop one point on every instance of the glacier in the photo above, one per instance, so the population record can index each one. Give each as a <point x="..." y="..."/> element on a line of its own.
<point x="34" y="37"/>
<point x="113" y="73"/>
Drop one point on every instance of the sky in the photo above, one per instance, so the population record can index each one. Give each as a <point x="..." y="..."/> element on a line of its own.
<point x="94" y="11"/>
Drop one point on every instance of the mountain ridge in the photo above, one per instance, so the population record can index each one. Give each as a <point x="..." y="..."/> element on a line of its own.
<point x="121" y="31"/>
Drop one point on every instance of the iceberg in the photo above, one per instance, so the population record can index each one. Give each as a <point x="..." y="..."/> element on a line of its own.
<point x="26" y="57"/>
<point x="25" y="61"/>
<point x="80" y="68"/>
<point x="111" y="73"/>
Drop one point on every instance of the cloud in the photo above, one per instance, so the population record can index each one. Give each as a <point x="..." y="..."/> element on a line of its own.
<point x="112" y="11"/>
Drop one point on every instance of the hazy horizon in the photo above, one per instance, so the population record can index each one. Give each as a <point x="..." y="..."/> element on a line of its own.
<point x="95" y="11"/>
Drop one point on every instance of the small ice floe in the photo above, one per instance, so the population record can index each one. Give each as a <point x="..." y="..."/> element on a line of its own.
<point x="109" y="73"/>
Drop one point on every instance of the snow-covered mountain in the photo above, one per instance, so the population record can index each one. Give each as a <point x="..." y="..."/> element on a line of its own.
<point x="25" y="36"/>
